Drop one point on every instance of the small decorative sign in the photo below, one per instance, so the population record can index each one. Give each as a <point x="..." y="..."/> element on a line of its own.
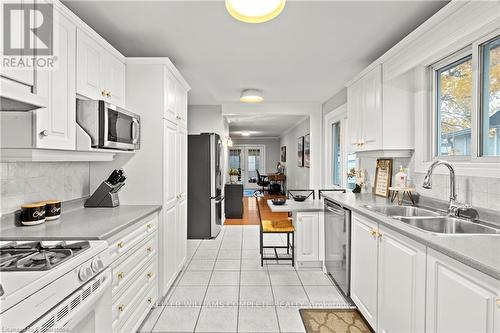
<point x="383" y="175"/>
<point x="307" y="151"/>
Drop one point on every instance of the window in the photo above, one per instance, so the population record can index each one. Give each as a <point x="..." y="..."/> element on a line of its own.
<point x="454" y="108"/>
<point x="336" y="157"/>
<point x="490" y="98"/>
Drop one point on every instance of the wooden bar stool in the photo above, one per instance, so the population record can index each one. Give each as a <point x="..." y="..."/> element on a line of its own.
<point x="276" y="227"/>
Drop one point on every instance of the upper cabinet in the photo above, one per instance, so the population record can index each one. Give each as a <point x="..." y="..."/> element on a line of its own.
<point x="55" y="124"/>
<point x="378" y="121"/>
<point x="100" y="75"/>
<point x="175" y="108"/>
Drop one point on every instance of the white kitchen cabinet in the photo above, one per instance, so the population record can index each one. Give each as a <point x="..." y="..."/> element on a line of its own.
<point x="401" y="283"/>
<point x="100" y="75"/>
<point x="151" y="88"/>
<point x="89" y="65"/>
<point x="55" y="125"/>
<point x="364" y="111"/>
<point x="170" y="105"/>
<point x="459" y="298"/>
<point x="364" y="267"/>
<point x="307" y="233"/>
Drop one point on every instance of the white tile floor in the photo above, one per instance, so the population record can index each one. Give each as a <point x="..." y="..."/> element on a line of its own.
<point x="224" y="289"/>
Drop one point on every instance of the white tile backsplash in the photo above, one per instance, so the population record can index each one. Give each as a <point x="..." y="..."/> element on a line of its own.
<point x="24" y="182"/>
<point x="480" y="192"/>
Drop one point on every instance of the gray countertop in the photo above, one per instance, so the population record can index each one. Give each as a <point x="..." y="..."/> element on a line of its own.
<point x="296" y="206"/>
<point x="81" y="223"/>
<point x="481" y="252"/>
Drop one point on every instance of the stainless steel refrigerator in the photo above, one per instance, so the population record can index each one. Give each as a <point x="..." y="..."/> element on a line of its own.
<point x="205" y="197"/>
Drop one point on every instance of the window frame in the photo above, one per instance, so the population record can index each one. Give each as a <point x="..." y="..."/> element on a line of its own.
<point x="474" y="50"/>
<point x="477" y="47"/>
<point x="337" y="115"/>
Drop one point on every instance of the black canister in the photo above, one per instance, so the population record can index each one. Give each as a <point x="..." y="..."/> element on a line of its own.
<point x="33" y="214"/>
<point x="52" y="210"/>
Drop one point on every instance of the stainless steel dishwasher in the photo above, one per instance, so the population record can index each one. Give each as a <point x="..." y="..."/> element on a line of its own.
<point x="338" y="245"/>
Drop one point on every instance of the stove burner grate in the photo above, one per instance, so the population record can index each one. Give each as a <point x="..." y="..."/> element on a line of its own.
<point x="36" y="256"/>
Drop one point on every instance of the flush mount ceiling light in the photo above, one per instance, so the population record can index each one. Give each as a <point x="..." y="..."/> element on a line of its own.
<point x="255" y="11"/>
<point x="251" y="96"/>
<point x="244" y="133"/>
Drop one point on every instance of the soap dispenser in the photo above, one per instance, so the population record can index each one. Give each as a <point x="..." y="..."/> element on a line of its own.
<point x="401" y="178"/>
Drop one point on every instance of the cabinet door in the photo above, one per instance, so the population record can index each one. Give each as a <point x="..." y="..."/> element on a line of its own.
<point x="55" y="125"/>
<point x="181" y="231"/>
<point x="88" y="66"/>
<point x="371" y="115"/>
<point x="459" y="298"/>
<point x="25" y="76"/>
<point x="169" y="164"/>
<point x="181" y="158"/>
<point x="181" y="97"/>
<point x="114" y="79"/>
<point x="401" y="283"/>
<point x="307" y="236"/>
<point x="364" y="249"/>
<point x="169" y="111"/>
<point x="354" y="101"/>
<point x="169" y="253"/>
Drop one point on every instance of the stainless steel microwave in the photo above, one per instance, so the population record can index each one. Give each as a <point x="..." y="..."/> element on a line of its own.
<point x="108" y="125"/>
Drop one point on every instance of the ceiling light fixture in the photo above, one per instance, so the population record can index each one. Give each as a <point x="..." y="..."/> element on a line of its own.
<point x="251" y="96"/>
<point x="255" y="11"/>
<point x="244" y="133"/>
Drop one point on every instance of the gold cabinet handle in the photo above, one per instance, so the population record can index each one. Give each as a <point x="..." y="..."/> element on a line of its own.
<point x="104" y="93"/>
<point x="379" y="234"/>
<point x="150" y="300"/>
<point x="121" y="307"/>
<point x="120" y="275"/>
<point x="108" y="94"/>
<point x="120" y="245"/>
<point x="150" y="275"/>
<point x="149" y="249"/>
<point x="149" y="226"/>
<point x="373" y="232"/>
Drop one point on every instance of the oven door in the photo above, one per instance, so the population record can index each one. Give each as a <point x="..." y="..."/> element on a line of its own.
<point x="119" y="128"/>
<point x="87" y="310"/>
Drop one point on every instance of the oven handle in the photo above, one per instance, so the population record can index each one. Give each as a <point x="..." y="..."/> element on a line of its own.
<point x="135" y="130"/>
<point x="71" y="323"/>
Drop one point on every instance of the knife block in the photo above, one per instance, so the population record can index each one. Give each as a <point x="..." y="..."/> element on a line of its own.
<point x="106" y="195"/>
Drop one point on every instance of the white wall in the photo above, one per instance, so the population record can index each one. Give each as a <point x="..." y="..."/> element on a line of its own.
<point x="272" y="150"/>
<point x="297" y="177"/>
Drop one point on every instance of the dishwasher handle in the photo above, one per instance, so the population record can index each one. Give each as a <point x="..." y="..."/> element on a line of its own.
<point x="334" y="208"/>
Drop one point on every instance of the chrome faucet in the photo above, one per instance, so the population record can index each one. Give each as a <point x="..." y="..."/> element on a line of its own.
<point x="455" y="208"/>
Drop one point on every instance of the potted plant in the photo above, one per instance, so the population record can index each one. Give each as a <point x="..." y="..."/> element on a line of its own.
<point x="359" y="175"/>
<point x="233" y="175"/>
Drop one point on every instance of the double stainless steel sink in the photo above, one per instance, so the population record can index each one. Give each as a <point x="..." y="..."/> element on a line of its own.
<point x="433" y="222"/>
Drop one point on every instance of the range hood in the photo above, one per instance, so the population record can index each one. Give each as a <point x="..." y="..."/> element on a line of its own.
<point x="8" y="104"/>
<point x="20" y="99"/>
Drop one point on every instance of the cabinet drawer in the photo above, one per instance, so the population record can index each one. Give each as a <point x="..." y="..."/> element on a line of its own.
<point x="124" y="306"/>
<point x="142" y="307"/>
<point x="127" y="266"/>
<point x="132" y="236"/>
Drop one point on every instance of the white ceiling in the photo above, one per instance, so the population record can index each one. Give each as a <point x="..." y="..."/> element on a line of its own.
<point x="261" y="125"/>
<point x="304" y="55"/>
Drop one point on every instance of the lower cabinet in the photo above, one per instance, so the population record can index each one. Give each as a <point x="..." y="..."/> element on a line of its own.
<point x="134" y="269"/>
<point x="364" y="248"/>
<point x="401" y="283"/>
<point x="459" y="298"/>
<point x="307" y="238"/>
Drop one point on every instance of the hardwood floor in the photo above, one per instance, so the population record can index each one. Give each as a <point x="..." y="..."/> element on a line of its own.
<point x="251" y="215"/>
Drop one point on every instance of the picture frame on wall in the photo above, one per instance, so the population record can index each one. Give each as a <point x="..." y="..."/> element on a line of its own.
<point x="283" y="154"/>
<point x="307" y="151"/>
<point x="383" y="176"/>
<point x="300" y="151"/>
